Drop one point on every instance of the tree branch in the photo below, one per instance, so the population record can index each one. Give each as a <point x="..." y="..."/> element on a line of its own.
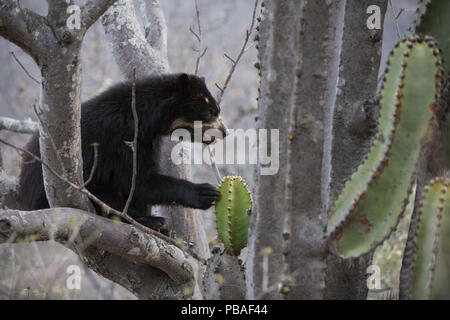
<point x="19" y="126"/>
<point x="134" y="144"/>
<point x="155" y="27"/>
<point x="92" y="10"/>
<point x="23" y="27"/>
<point x="128" y="42"/>
<point x="8" y="184"/>
<point x="117" y="238"/>
<point x="235" y="62"/>
<point x="23" y="68"/>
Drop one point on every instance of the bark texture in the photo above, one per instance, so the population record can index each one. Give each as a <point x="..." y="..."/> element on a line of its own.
<point x="288" y="217"/>
<point x="354" y="111"/>
<point x="319" y="65"/>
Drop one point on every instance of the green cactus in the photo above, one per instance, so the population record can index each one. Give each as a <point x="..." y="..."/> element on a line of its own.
<point x="373" y="201"/>
<point x="232" y="213"/>
<point x="432" y="14"/>
<point x="430" y="276"/>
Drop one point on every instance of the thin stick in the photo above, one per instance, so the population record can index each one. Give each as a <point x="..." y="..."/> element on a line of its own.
<point x="234" y="62"/>
<point x="198" y="35"/>
<point x="214" y="166"/>
<point x="23" y="67"/>
<point x="134" y="144"/>
<point x="94" y="166"/>
<point x="395" y="16"/>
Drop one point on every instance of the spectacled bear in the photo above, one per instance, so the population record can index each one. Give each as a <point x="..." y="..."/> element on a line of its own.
<point x="163" y="103"/>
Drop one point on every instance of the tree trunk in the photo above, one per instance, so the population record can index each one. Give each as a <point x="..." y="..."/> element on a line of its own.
<point x="319" y="67"/>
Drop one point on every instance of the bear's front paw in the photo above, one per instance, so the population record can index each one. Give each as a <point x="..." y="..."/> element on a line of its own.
<point x="205" y="196"/>
<point x="155" y="223"/>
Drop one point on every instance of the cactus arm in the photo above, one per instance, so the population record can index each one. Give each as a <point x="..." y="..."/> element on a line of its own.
<point x="427" y="219"/>
<point x="377" y="210"/>
<point x="440" y="286"/>
<point x="430" y="276"/>
<point x="433" y="17"/>
<point x="232" y="218"/>
<point x="359" y="181"/>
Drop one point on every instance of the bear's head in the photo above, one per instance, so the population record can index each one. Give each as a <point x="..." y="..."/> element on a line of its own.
<point x="194" y="104"/>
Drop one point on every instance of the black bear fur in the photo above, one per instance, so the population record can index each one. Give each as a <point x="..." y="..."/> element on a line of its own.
<point x="163" y="103"/>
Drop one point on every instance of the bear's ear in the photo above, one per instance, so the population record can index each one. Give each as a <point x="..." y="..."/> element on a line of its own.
<point x="183" y="79"/>
<point x="183" y="84"/>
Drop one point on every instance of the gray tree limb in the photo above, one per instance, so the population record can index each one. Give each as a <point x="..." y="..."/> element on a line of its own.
<point x="93" y="10"/>
<point x="61" y="99"/>
<point x="23" y="27"/>
<point x="89" y="230"/>
<point x="129" y="44"/>
<point x="155" y="27"/>
<point x="19" y="126"/>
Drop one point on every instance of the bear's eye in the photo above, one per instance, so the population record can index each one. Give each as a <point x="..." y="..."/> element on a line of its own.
<point x="206" y="99"/>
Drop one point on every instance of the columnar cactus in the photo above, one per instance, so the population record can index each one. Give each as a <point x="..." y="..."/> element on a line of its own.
<point x="433" y="15"/>
<point x="232" y="213"/>
<point x="374" y="199"/>
<point x="429" y="252"/>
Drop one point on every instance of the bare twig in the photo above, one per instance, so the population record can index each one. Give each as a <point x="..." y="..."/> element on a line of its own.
<point x="134" y="143"/>
<point x="396" y="16"/>
<point x="399" y="13"/>
<point x="235" y="62"/>
<point x="200" y="55"/>
<point x="23" y="67"/>
<point x="198" y="35"/>
<point x="94" y="165"/>
<point x="195" y="34"/>
<point x="214" y="165"/>
<point x="217" y="86"/>
<point x="231" y="59"/>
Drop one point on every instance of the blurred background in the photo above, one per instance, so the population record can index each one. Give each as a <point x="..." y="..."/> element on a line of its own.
<point x="38" y="270"/>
